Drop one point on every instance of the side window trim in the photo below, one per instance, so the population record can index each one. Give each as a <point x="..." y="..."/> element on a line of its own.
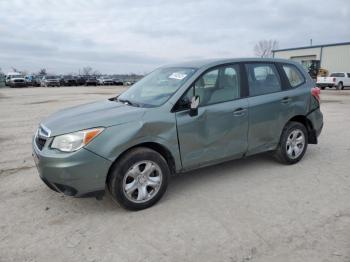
<point x="245" y="64"/>
<point x="280" y="66"/>
<point x="243" y="88"/>
<point x="283" y="76"/>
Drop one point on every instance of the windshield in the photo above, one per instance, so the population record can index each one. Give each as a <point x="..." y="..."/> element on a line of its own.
<point x="157" y="87"/>
<point x="17" y="76"/>
<point x="51" y="77"/>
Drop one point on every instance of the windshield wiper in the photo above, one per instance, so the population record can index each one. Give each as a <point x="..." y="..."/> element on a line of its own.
<point x="128" y="102"/>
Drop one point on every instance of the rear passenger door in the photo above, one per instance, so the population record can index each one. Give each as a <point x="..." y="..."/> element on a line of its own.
<point x="267" y="106"/>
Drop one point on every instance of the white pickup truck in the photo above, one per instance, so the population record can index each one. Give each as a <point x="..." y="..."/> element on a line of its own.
<point x="337" y="80"/>
<point x="15" y="79"/>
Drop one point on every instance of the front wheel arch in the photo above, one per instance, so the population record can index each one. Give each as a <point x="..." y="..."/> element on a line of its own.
<point x="161" y="149"/>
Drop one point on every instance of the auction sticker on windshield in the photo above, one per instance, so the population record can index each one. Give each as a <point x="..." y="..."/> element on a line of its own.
<point x="177" y="76"/>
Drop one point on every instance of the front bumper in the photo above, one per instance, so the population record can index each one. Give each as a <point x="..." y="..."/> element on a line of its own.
<point x="52" y="84"/>
<point x="19" y="84"/>
<point x="81" y="173"/>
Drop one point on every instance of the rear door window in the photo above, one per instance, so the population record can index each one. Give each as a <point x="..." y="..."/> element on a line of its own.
<point x="263" y="78"/>
<point x="337" y="75"/>
<point x="294" y="76"/>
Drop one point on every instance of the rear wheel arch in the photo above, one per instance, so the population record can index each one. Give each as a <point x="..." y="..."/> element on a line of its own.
<point x="312" y="138"/>
<point x="160" y="149"/>
<point x="293" y="143"/>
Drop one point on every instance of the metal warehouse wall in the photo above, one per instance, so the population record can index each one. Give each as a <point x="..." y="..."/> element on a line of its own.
<point x="288" y="54"/>
<point x="336" y="58"/>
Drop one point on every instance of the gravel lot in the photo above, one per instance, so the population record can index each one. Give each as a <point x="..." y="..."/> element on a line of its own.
<point x="253" y="209"/>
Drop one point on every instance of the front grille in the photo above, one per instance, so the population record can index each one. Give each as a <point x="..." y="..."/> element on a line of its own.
<point x="18" y="81"/>
<point x="40" y="142"/>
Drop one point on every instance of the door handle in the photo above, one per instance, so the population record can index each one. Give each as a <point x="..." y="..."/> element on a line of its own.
<point x="286" y="100"/>
<point x="239" y="111"/>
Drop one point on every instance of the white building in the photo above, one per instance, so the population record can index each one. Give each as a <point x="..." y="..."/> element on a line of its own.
<point x="333" y="57"/>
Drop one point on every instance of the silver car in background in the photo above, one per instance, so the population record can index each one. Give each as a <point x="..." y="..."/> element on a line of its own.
<point x="47" y="81"/>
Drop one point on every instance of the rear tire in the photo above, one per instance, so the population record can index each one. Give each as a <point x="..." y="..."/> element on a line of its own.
<point x="323" y="88"/>
<point x="340" y="86"/>
<point x="139" y="179"/>
<point x="293" y="143"/>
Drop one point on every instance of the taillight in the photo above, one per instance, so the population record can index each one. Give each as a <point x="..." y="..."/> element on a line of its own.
<point x="315" y="91"/>
<point x="334" y="79"/>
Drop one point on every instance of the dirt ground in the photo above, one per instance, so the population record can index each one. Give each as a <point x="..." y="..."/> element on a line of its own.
<point x="253" y="209"/>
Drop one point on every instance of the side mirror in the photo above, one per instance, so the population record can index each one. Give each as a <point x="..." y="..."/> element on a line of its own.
<point x="194" y="106"/>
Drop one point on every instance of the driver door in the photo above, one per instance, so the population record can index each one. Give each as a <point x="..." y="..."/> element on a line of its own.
<point x="219" y="130"/>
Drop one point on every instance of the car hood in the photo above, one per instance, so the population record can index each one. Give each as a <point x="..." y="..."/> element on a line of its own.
<point x="17" y="78"/>
<point x="98" y="114"/>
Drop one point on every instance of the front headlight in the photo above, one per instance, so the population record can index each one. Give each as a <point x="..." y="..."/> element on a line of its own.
<point x="74" y="141"/>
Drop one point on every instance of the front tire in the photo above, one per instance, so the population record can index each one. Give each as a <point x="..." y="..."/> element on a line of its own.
<point x="293" y="143"/>
<point x="139" y="179"/>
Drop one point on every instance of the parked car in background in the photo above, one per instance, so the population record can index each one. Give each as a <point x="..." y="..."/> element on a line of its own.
<point x="105" y="80"/>
<point x="29" y="80"/>
<point x="91" y="81"/>
<point x="81" y="80"/>
<point x="337" y="80"/>
<point x="68" y="80"/>
<point x="117" y="82"/>
<point x="15" y="79"/>
<point x="36" y="80"/>
<point x="50" y="80"/>
<point x="179" y="118"/>
<point x="130" y="82"/>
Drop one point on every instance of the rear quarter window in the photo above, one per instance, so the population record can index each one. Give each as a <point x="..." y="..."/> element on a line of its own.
<point x="337" y="75"/>
<point x="294" y="76"/>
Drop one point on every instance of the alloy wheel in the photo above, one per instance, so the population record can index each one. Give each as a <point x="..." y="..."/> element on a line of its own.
<point x="142" y="181"/>
<point x="295" y="143"/>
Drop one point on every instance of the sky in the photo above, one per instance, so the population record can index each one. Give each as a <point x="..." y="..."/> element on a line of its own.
<point x="136" y="36"/>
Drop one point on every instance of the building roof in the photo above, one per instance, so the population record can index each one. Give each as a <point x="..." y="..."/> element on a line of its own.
<point x="310" y="46"/>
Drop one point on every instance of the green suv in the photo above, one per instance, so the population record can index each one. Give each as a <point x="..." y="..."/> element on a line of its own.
<point x="178" y="118"/>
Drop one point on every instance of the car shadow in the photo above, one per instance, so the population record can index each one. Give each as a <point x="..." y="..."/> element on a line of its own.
<point x="181" y="183"/>
<point x="237" y="168"/>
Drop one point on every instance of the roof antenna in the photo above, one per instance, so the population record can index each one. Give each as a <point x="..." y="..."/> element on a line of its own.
<point x="311" y="42"/>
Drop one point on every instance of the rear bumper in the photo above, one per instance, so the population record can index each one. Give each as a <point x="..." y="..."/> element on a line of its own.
<point x="78" y="174"/>
<point x="316" y="119"/>
<point x="325" y="84"/>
